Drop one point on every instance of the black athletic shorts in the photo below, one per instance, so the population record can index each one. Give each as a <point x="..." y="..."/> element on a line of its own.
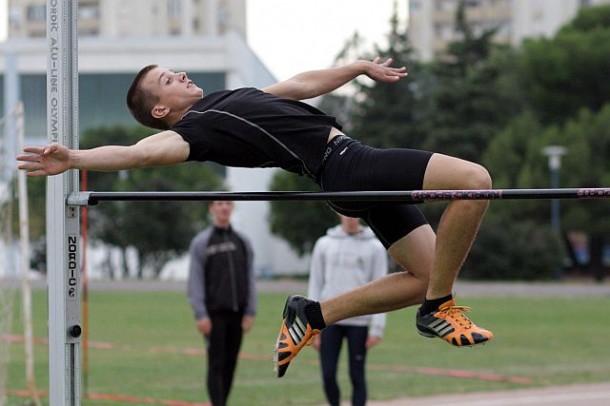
<point x="351" y="166"/>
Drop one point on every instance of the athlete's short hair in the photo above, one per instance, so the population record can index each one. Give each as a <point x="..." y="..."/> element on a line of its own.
<point x="140" y="102"/>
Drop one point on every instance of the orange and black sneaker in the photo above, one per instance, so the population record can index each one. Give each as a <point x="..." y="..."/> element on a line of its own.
<point x="295" y="333"/>
<point x="451" y="324"/>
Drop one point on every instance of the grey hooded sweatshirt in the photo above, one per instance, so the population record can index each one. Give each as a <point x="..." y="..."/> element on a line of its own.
<point x="341" y="262"/>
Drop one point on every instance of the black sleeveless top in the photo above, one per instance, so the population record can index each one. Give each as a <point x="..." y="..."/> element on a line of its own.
<point x="250" y="128"/>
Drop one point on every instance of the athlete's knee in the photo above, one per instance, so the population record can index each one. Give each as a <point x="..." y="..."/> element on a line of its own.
<point x="445" y="172"/>
<point x="417" y="280"/>
<point x="477" y="177"/>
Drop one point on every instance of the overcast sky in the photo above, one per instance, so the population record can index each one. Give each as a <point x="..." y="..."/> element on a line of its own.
<point x="295" y="35"/>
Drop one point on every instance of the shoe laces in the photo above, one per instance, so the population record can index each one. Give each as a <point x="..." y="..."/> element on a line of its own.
<point x="456" y="314"/>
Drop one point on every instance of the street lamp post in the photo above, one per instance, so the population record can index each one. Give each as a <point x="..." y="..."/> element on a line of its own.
<point x="554" y="154"/>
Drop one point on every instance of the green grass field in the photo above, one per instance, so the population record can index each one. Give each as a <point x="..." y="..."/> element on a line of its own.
<point x="142" y="342"/>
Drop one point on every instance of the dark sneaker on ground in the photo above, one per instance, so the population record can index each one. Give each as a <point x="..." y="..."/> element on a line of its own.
<point x="451" y="324"/>
<point x="295" y="333"/>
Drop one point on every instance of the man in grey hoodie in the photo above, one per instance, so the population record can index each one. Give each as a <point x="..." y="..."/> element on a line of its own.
<point x="348" y="256"/>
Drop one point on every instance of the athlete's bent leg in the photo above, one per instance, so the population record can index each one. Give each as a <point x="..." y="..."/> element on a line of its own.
<point x="459" y="224"/>
<point x="460" y="221"/>
<point x="415" y="254"/>
<point x="304" y="319"/>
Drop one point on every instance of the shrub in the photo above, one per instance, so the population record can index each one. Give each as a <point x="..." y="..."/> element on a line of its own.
<point x="514" y="251"/>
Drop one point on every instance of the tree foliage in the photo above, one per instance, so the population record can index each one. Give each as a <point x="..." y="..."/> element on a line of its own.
<point x="387" y="115"/>
<point x="299" y="223"/>
<point x="565" y="73"/>
<point x="473" y="93"/>
<point x="519" y="250"/>
<point x="565" y="88"/>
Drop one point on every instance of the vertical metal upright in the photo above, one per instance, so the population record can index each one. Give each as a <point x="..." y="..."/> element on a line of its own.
<point x="11" y="98"/>
<point x="63" y="240"/>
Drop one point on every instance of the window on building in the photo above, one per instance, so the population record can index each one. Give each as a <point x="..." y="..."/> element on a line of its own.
<point x="224" y="17"/>
<point x="445" y="5"/>
<point x="89" y="11"/>
<point x="14" y="17"/>
<point x="89" y="31"/>
<point x="36" y="12"/>
<point x="174" y="9"/>
<point x="443" y="31"/>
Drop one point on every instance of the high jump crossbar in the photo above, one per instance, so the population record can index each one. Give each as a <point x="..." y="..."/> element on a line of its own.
<point x="92" y="198"/>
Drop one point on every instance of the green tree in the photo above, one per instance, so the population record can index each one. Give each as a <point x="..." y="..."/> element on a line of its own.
<point x="299" y="223"/>
<point x="37" y="221"/>
<point x="36" y="188"/>
<point x="587" y="164"/>
<point x="159" y="231"/>
<point x="516" y="156"/>
<point x="390" y="115"/>
<point x="519" y="250"/>
<point x="565" y="88"/>
<point x="512" y="158"/>
<point x="569" y="71"/>
<point x="473" y="95"/>
<point x="37" y="203"/>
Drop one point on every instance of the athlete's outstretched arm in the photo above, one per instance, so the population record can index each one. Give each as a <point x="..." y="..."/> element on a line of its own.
<point x="315" y="83"/>
<point x="164" y="148"/>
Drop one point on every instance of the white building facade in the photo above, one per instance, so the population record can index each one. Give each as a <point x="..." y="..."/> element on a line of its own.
<point x="214" y="52"/>
<point x="134" y="18"/>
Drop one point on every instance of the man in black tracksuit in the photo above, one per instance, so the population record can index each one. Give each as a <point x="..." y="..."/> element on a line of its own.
<point x="221" y="289"/>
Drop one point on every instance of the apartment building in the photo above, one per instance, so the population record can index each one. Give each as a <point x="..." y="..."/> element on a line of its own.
<point x="206" y="38"/>
<point x="135" y="18"/>
<point x="432" y="22"/>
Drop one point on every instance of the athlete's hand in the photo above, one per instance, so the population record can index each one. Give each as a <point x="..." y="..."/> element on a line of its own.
<point x="247" y="322"/>
<point x="204" y="326"/>
<point x="382" y="71"/>
<point x="372" y="341"/>
<point x="317" y="341"/>
<point x="51" y="159"/>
